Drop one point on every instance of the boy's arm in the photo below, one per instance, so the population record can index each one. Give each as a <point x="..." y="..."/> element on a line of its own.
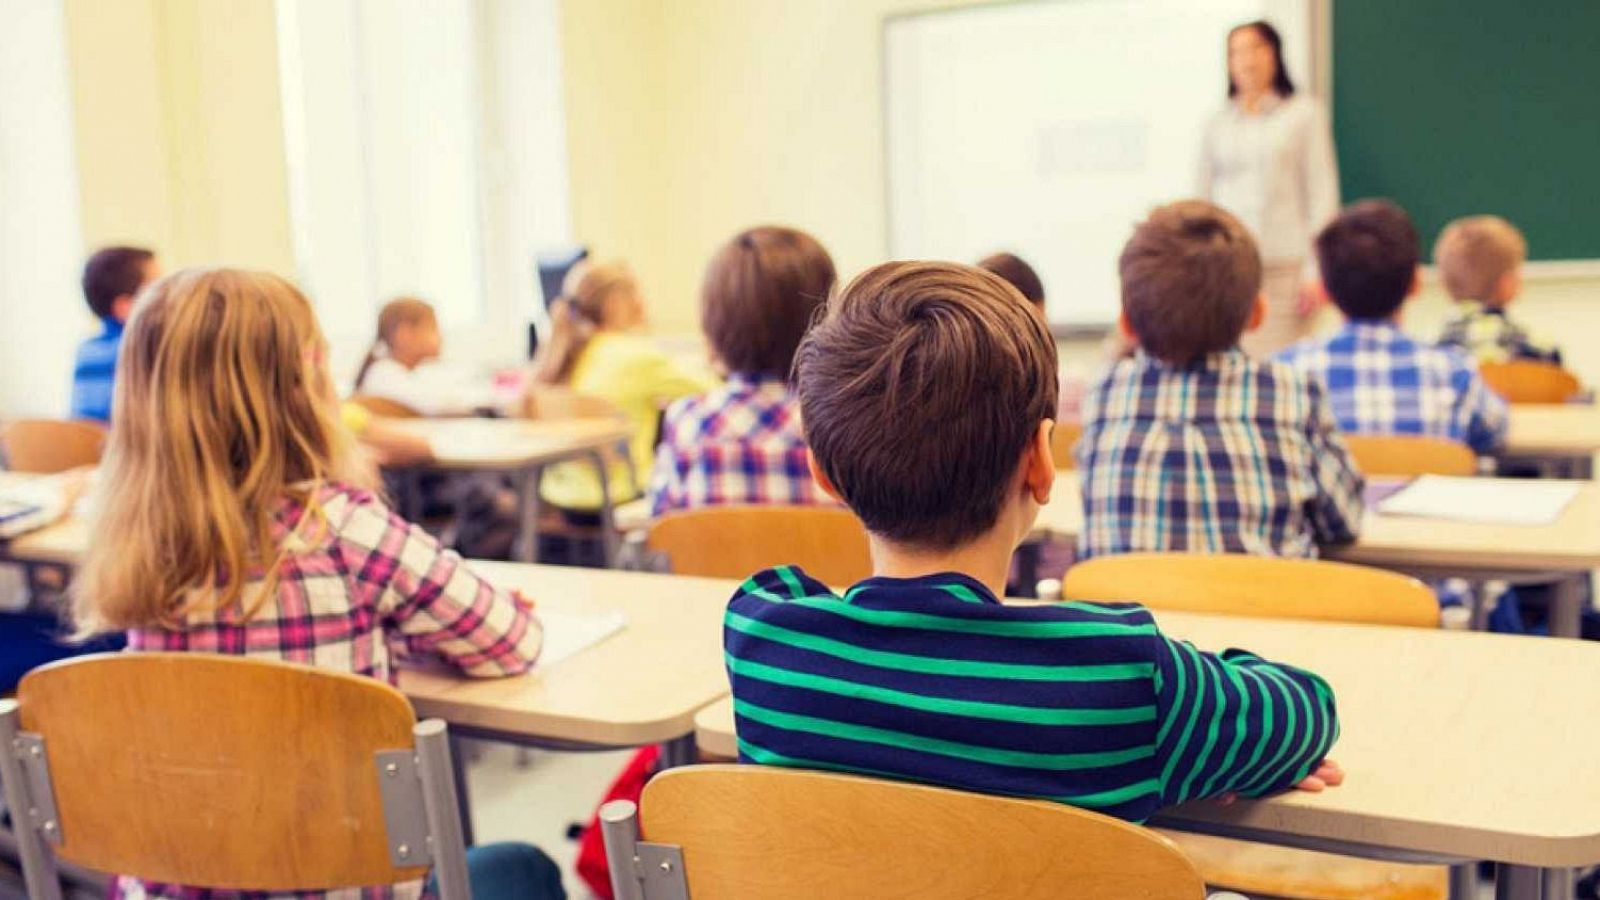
<point x="1336" y="512"/>
<point x="1487" y="416"/>
<point x="1236" y="723"/>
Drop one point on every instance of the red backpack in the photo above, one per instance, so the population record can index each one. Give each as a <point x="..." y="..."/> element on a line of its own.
<point x="629" y="785"/>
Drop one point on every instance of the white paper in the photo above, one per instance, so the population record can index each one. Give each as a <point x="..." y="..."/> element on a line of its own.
<point x="567" y="634"/>
<point x="30" y="503"/>
<point x="1493" y="501"/>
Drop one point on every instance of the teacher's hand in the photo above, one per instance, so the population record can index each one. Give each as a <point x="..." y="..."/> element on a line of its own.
<point x="1312" y="296"/>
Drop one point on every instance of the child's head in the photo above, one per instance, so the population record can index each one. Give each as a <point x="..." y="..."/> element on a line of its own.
<point x="409" y="330"/>
<point x="601" y="297"/>
<point x="1018" y="273"/>
<point x="759" y="295"/>
<point x="224" y="407"/>
<point x="1480" y="258"/>
<point x="113" y="276"/>
<point x="1369" y="255"/>
<point x="1191" y="282"/>
<point x="927" y="393"/>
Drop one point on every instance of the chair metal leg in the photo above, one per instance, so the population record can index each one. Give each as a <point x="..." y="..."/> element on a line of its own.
<point x="1464" y="881"/>
<point x="1518" y="883"/>
<point x="526" y="548"/>
<point x="38" y="863"/>
<point x="443" y="811"/>
<point x="619" y="828"/>
<point x="608" y="513"/>
<point x="680" y="751"/>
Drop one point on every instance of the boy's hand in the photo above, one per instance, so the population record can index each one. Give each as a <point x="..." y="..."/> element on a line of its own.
<point x="1326" y="775"/>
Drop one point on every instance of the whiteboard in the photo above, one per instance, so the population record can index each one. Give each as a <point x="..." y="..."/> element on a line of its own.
<point x="1048" y="129"/>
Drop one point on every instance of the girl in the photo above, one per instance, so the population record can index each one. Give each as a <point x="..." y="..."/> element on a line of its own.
<point x="403" y="365"/>
<point x="594" y="351"/>
<point x="237" y="519"/>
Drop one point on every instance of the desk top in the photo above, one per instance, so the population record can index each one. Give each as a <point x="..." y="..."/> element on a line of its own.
<point x="1562" y="430"/>
<point x="1454" y="743"/>
<point x="467" y="444"/>
<point x="642" y="685"/>
<point x="1571" y="544"/>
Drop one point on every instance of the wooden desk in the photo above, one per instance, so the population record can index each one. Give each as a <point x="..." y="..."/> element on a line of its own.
<point x="1457" y="745"/>
<point x="60" y="544"/>
<point x="1566" y="550"/>
<point x="1564" y="433"/>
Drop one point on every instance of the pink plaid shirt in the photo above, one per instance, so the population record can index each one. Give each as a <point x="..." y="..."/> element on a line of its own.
<point x="740" y="443"/>
<point x="357" y="595"/>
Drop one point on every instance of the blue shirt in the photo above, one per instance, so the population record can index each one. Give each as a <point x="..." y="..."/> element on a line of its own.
<point x="934" y="680"/>
<point x="1380" y="381"/>
<point x="94" y="373"/>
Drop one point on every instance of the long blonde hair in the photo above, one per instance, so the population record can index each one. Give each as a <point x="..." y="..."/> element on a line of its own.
<point x="576" y="317"/>
<point x="397" y="312"/>
<point x="223" y="408"/>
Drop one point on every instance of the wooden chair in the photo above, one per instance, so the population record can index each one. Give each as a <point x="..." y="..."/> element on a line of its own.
<point x="1064" y="443"/>
<point x="385" y="408"/>
<point x="1257" y="586"/>
<point x="765" y="833"/>
<point x="830" y="543"/>
<point x="264" y="776"/>
<point x="45" y="446"/>
<point x="1405" y="455"/>
<point x="1530" y="381"/>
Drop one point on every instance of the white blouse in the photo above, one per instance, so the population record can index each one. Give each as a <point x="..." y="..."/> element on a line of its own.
<point x="433" y="388"/>
<point x="1275" y="170"/>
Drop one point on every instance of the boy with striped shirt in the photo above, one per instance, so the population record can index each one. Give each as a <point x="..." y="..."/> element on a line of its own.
<point x="927" y="393"/>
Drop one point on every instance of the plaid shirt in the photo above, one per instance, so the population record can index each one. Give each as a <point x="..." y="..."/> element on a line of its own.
<point x="1488" y="335"/>
<point x="1382" y="382"/>
<point x="740" y="443"/>
<point x="1226" y="456"/>
<point x="356" y="592"/>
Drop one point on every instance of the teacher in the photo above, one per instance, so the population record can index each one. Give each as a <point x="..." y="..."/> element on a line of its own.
<point x="1268" y="159"/>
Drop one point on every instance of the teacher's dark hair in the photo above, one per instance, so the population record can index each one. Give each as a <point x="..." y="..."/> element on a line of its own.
<point x="1280" y="78"/>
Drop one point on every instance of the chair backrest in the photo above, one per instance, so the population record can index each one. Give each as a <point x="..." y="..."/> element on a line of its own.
<point x="765" y="833"/>
<point x="1256" y="586"/>
<point x="830" y="543"/>
<point x="1530" y="381"/>
<point x="560" y="404"/>
<point x="233" y="773"/>
<point x="385" y="407"/>
<point x="1410" y="454"/>
<point x="1064" y="443"/>
<point x="51" y="445"/>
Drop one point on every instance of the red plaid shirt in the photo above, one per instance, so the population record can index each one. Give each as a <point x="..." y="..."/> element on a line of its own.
<point x="357" y="592"/>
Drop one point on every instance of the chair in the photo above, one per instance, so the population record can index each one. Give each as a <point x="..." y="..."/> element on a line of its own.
<point x="1410" y="454"/>
<point x="830" y="543"/>
<point x="560" y="404"/>
<point x="45" y="446"/>
<point x="1530" y="381"/>
<point x="264" y="776"/>
<point x="1258" y="586"/>
<point x="765" y="833"/>
<point x="385" y="408"/>
<point x="1064" y="443"/>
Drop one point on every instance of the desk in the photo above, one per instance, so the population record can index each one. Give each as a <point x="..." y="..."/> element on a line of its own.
<point x="1480" y="747"/>
<point x="1567" y="434"/>
<point x="1566" y="550"/>
<point x="520" y="449"/>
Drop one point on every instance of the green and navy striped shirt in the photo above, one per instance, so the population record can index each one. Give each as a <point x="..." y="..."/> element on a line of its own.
<point x="933" y="680"/>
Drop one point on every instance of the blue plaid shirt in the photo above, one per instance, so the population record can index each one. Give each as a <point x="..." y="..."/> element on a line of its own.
<point x="1381" y="381"/>
<point x="1228" y="455"/>
<point x="94" y="373"/>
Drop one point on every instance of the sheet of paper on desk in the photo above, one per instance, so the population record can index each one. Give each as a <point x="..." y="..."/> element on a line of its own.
<point x="566" y="634"/>
<point x="30" y="503"/>
<point x="1493" y="501"/>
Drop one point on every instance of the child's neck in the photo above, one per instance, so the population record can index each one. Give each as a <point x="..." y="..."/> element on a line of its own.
<point x="987" y="559"/>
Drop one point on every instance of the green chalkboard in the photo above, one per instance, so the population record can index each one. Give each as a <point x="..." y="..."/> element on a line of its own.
<point x="1453" y="107"/>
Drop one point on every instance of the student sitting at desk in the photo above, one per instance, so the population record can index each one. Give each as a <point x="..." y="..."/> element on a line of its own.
<point x="112" y="278"/>
<point x="241" y="522"/>
<point x="403" y="365"/>
<point x="1192" y="445"/>
<point x="1480" y="261"/>
<point x="927" y="394"/>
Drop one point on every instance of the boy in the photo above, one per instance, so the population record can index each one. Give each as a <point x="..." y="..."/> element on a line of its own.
<point x="1480" y="260"/>
<point x="927" y="392"/>
<point x="1379" y="380"/>
<point x="111" y="279"/>
<point x="1192" y="445"/>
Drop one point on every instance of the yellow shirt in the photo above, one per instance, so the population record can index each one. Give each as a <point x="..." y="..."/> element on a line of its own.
<point x="355" y="416"/>
<point x="638" y="378"/>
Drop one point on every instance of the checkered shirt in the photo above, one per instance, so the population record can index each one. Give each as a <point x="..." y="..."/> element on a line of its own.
<point x="1228" y="455"/>
<point x="1488" y="335"/>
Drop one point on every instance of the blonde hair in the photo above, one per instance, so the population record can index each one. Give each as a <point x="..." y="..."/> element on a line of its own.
<point x="1474" y="253"/>
<point x="397" y="312"/>
<point x="576" y="317"/>
<point x="223" y="408"/>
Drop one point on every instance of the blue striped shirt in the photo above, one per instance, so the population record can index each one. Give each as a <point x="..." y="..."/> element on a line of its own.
<point x="933" y="680"/>
<point x="94" y="373"/>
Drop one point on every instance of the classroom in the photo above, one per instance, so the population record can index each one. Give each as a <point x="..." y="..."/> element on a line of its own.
<point x="783" y="449"/>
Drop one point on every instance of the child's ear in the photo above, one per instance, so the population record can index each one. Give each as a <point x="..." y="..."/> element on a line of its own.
<point x="1416" y="283"/>
<point x="1126" y="327"/>
<point x="821" y="477"/>
<point x="1039" y="464"/>
<point x="1258" y="312"/>
<point x="122" y="307"/>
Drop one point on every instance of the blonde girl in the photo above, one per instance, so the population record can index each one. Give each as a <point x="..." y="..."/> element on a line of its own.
<point x="236" y="518"/>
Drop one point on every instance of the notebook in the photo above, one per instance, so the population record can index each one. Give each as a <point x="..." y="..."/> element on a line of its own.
<point x="567" y="634"/>
<point x="1491" y="501"/>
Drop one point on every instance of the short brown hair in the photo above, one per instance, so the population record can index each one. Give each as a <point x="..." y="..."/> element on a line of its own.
<point x="1369" y="255"/>
<point x="113" y="272"/>
<point x="1190" y="278"/>
<point x="1012" y="268"/>
<point x="1474" y="253"/>
<point x="920" y="389"/>
<point x="759" y="295"/>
